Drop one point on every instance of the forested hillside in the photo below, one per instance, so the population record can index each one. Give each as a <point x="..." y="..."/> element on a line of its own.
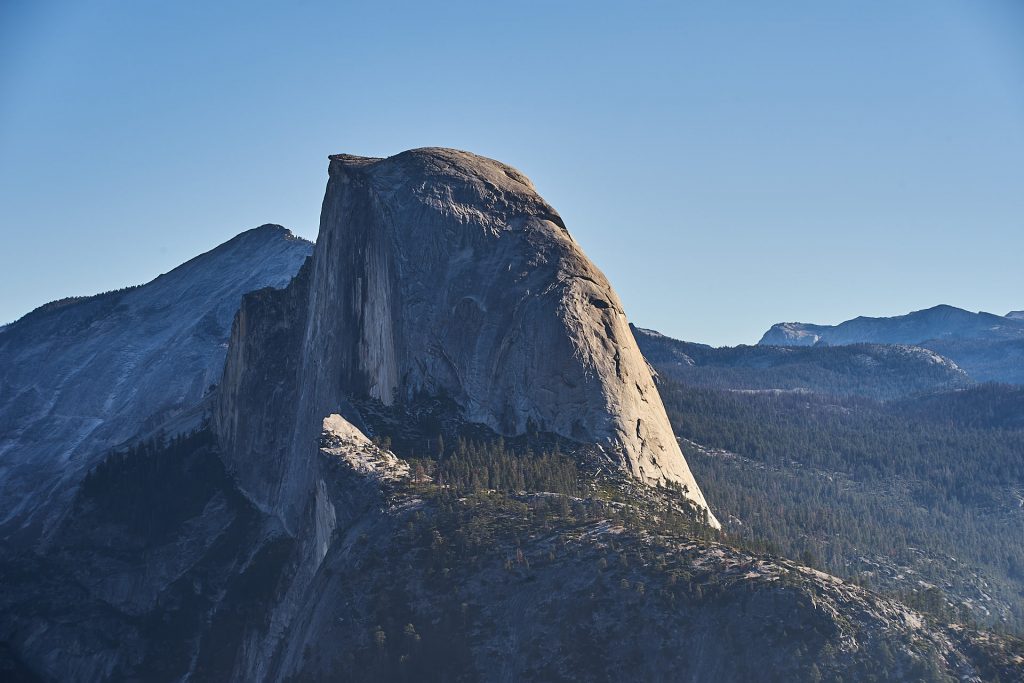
<point x="920" y="497"/>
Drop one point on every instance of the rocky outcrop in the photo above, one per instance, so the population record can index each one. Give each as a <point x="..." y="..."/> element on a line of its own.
<point x="440" y="273"/>
<point x="792" y="334"/>
<point x="340" y="439"/>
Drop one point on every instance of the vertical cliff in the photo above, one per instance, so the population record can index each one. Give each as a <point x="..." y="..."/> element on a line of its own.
<point x="440" y="273"/>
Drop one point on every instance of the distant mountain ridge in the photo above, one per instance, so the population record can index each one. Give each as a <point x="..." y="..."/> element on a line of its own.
<point x="989" y="347"/>
<point x="880" y="371"/>
<point x="938" y="322"/>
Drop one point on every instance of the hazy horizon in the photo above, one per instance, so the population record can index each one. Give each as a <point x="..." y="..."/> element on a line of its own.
<point x="727" y="169"/>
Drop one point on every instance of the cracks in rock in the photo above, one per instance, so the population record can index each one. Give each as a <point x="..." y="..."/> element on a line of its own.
<point x="451" y="364"/>
<point x="643" y="441"/>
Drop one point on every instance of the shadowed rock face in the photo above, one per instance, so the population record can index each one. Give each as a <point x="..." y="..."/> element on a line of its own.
<point x="80" y="376"/>
<point x="438" y="272"/>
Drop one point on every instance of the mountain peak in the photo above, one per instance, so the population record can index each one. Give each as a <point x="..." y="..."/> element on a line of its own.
<point x="440" y="175"/>
<point x="267" y="231"/>
<point x="167" y="336"/>
<point x="441" y="273"/>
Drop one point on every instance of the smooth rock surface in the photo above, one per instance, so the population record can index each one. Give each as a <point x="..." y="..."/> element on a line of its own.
<point x="439" y="272"/>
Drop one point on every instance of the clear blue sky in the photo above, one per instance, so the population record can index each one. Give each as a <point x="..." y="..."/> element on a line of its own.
<point x="727" y="164"/>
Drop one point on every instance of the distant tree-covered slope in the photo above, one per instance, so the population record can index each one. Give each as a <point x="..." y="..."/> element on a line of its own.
<point x="919" y="496"/>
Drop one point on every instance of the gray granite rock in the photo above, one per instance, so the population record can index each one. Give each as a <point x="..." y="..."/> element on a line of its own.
<point x="443" y="273"/>
<point x="83" y="375"/>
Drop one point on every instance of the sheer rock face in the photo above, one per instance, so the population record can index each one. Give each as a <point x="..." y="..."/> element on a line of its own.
<point x="440" y="272"/>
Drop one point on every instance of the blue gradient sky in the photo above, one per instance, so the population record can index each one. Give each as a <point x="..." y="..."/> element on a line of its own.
<point x="728" y="165"/>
